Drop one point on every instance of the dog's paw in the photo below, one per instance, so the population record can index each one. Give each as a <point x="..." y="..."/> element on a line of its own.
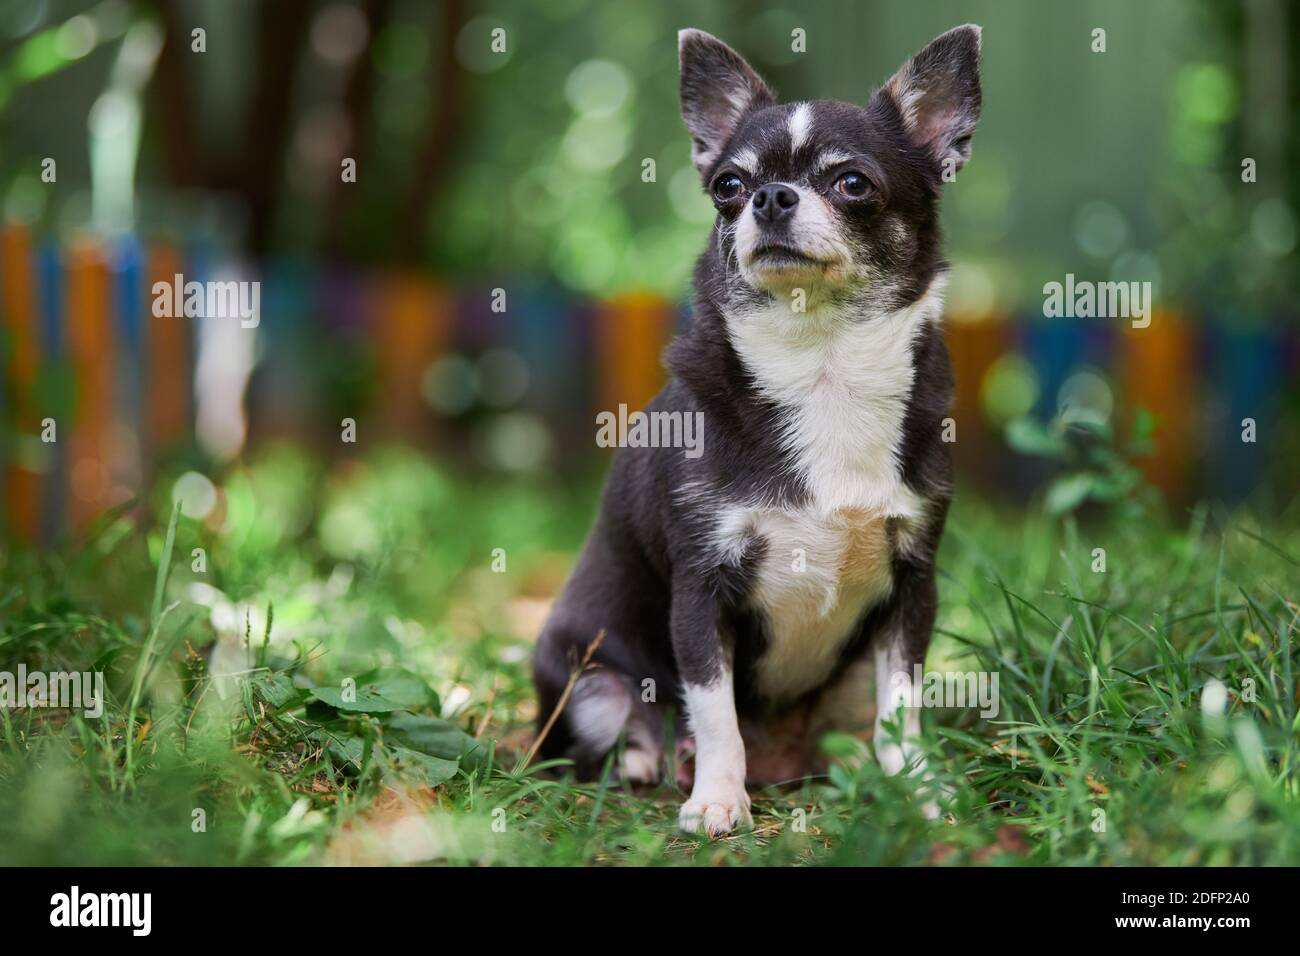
<point x="893" y="759"/>
<point x="935" y="797"/>
<point x="716" y="814"/>
<point x="639" y="766"/>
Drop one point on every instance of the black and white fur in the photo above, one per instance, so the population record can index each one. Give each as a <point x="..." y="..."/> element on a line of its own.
<point x="801" y="543"/>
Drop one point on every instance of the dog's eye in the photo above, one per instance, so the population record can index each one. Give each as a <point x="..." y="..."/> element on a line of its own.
<point x="853" y="185"/>
<point x="727" y="187"/>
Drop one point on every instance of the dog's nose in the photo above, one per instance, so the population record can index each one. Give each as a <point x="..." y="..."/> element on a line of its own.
<point x="774" y="202"/>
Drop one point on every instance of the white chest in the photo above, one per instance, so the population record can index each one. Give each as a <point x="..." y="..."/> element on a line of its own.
<point x="817" y="576"/>
<point x="842" y="383"/>
<point x="843" y="388"/>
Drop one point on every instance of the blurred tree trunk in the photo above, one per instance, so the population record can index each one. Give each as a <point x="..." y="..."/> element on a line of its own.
<point x="358" y="97"/>
<point x="256" y="168"/>
<point x="440" y="135"/>
<point x="281" y="35"/>
<point x="173" y="97"/>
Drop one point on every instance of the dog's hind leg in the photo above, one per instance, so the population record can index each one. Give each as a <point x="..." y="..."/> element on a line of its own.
<point x="605" y="705"/>
<point x="643" y="753"/>
<point x="597" y="713"/>
<point x="602" y="706"/>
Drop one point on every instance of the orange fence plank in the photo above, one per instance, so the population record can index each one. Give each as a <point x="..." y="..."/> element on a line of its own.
<point x="974" y="346"/>
<point x="168" y="364"/>
<point x="18" y="285"/>
<point x="1157" y="366"/>
<point x="413" y="325"/>
<point x="91" y="351"/>
<point x="631" y="333"/>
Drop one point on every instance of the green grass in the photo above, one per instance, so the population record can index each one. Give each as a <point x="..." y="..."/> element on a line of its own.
<point x="1104" y="751"/>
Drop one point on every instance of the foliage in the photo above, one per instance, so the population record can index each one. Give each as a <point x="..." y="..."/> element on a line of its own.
<point x="1097" y="467"/>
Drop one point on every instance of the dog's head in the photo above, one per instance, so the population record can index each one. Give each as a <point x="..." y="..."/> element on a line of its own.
<point x="825" y="196"/>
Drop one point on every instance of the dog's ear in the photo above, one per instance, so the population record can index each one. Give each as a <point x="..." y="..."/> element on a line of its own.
<point x="718" y="89"/>
<point x="937" y="93"/>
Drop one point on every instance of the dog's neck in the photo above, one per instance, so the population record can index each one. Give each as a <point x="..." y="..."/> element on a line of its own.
<point x="841" y="380"/>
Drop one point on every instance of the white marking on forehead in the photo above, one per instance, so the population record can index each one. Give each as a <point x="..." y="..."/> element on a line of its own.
<point x="832" y="157"/>
<point x="746" y="159"/>
<point x="800" y="123"/>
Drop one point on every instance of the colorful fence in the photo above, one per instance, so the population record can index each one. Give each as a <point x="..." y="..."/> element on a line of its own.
<point x="125" y="389"/>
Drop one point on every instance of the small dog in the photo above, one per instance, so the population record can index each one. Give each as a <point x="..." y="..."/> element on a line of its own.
<point x="749" y="581"/>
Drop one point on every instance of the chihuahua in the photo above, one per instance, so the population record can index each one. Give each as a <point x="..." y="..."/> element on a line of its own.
<point x="752" y="580"/>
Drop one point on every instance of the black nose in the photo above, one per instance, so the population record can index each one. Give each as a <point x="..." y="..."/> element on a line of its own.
<point x="774" y="202"/>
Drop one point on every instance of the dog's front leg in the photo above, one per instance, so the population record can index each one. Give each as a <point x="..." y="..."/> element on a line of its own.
<point x="718" y="802"/>
<point x="899" y="653"/>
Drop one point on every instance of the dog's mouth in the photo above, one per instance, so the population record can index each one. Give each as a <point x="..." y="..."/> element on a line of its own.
<point x="776" y="264"/>
<point x="778" y="255"/>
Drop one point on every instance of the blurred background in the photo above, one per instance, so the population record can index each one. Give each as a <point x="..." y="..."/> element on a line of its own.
<point x="513" y="252"/>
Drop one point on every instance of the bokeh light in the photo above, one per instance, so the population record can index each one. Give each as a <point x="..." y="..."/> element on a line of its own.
<point x="598" y="87"/>
<point x="1009" y="390"/>
<point x="1085" y="396"/>
<point x="450" y="385"/>
<point x="196" y="493"/>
